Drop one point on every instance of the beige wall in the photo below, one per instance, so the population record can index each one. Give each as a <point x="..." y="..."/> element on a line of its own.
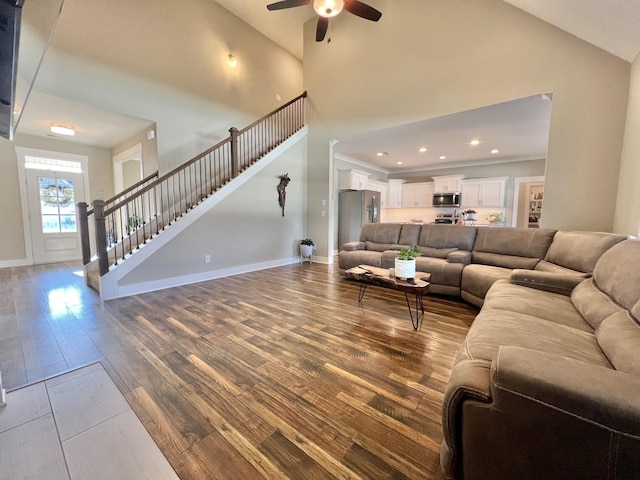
<point x="167" y="61"/>
<point x="427" y="58"/>
<point x="149" y="149"/>
<point x="246" y="228"/>
<point x="627" y="219"/>
<point x="12" y="246"/>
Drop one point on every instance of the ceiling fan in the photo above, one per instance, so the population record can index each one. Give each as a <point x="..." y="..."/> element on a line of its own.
<point x="326" y="9"/>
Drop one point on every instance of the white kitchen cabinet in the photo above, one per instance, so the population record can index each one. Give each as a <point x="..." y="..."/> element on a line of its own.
<point x="394" y="197"/>
<point x="417" y="195"/>
<point x="447" y="183"/>
<point x="483" y="192"/>
<point x="353" y="180"/>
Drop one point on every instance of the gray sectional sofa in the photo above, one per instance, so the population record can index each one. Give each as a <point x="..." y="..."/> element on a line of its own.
<point x="547" y="382"/>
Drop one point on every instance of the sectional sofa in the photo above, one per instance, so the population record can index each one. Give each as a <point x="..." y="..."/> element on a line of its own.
<point x="547" y="382"/>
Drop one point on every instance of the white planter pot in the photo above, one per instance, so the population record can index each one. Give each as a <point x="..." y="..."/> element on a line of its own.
<point x="405" y="268"/>
<point x="306" y="251"/>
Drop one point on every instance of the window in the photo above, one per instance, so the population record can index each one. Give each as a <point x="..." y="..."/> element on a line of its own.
<point x="57" y="205"/>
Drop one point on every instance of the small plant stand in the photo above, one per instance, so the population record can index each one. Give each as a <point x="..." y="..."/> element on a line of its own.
<point x="306" y="252"/>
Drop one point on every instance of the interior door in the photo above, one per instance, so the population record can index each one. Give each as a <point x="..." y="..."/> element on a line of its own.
<point x="52" y="200"/>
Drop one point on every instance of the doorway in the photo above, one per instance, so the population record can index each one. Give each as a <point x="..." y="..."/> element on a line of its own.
<point x="51" y="184"/>
<point x="527" y="202"/>
<point x="127" y="168"/>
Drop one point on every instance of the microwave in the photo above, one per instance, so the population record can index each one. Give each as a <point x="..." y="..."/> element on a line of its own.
<point x="446" y="199"/>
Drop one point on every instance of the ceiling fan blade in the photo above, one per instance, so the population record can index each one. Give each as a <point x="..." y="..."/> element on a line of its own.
<point x="362" y="10"/>
<point x="287" y="4"/>
<point x="321" y="30"/>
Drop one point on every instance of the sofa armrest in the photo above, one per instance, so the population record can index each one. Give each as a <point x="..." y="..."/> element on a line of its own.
<point x="562" y="283"/>
<point x="588" y="393"/>
<point x="351" y="246"/>
<point x="459" y="256"/>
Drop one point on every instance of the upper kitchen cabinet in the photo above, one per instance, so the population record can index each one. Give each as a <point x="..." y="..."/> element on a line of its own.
<point x="353" y="180"/>
<point x="382" y="188"/>
<point x="394" y="197"/>
<point x="483" y="192"/>
<point x="447" y="183"/>
<point x="417" y="195"/>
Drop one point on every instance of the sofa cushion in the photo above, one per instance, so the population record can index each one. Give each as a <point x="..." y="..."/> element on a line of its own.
<point x="388" y="233"/>
<point x="545" y="266"/>
<point x="359" y="257"/>
<point x="477" y="279"/>
<point x="435" y="252"/>
<point x="554" y="307"/>
<point x="504" y="261"/>
<point x="409" y="234"/>
<point x="580" y="251"/>
<point x="592" y="303"/>
<point x="617" y="274"/>
<point x="619" y="338"/>
<point x="493" y="328"/>
<point x="442" y="272"/>
<point x="378" y="247"/>
<point x="447" y="236"/>
<point x="531" y="243"/>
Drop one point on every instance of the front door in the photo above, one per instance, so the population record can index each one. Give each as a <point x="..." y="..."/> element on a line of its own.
<point x="52" y="200"/>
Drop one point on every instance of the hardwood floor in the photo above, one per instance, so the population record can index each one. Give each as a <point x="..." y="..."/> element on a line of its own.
<point x="273" y="374"/>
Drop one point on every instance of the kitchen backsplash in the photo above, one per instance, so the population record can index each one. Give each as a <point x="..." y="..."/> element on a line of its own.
<point x="428" y="215"/>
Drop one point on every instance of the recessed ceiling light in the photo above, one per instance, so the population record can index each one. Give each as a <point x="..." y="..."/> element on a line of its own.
<point x="495" y="150"/>
<point x="398" y="163"/>
<point x="475" y="142"/>
<point x="62" y="129"/>
<point x="380" y="154"/>
<point x="423" y="149"/>
<point x="443" y="157"/>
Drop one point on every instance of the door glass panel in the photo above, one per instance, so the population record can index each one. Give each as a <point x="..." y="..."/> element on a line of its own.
<point x="57" y="205"/>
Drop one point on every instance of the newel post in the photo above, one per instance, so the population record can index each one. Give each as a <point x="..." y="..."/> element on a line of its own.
<point x="83" y="227"/>
<point x="101" y="236"/>
<point x="235" y="162"/>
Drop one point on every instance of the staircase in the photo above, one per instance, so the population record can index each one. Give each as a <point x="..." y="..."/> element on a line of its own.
<point x="123" y="224"/>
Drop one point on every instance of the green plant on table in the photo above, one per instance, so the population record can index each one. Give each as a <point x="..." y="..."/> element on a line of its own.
<point x="408" y="253"/>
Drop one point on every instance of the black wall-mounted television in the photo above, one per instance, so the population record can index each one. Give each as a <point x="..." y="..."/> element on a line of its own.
<point x="10" y="18"/>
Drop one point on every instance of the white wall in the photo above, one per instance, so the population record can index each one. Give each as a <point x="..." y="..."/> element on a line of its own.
<point x="627" y="219"/>
<point x="427" y="58"/>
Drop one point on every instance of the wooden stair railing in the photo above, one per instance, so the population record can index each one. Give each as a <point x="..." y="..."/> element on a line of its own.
<point x="131" y="218"/>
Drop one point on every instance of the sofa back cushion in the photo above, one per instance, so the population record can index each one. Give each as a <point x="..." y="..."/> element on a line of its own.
<point x="409" y="234"/>
<point x="435" y="252"/>
<point x="457" y="237"/>
<point x="383" y="233"/>
<point x="580" y="250"/>
<point x="592" y="303"/>
<point x="619" y="338"/>
<point x="511" y="247"/>
<point x="617" y="274"/>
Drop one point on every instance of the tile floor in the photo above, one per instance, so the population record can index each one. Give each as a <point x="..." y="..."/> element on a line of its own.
<point x="76" y="426"/>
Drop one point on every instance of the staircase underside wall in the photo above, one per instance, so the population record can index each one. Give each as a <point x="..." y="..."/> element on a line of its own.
<point x="240" y="227"/>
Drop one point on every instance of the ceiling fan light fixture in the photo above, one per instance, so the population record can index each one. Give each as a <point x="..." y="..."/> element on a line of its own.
<point x="328" y="8"/>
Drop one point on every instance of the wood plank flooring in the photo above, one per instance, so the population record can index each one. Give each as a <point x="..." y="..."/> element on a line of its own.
<point x="273" y="374"/>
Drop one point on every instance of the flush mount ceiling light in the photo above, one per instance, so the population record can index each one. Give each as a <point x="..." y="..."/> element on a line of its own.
<point x="474" y="142"/>
<point x="422" y="149"/>
<point x="62" y="129"/>
<point x="442" y="157"/>
<point x="495" y="150"/>
<point x="233" y="61"/>
<point x="327" y="9"/>
<point x="398" y="163"/>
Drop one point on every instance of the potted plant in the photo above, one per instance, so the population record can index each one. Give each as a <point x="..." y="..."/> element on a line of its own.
<point x="469" y="214"/>
<point x="405" y="265"/>
<point x="306" y="248"/>
<point x="495" y="217"/>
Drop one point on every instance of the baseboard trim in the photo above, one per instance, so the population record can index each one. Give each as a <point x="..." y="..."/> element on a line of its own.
<point x="14" y="263"/>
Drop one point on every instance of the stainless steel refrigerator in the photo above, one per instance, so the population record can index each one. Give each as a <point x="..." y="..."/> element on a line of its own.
<point x="355" y="208"/>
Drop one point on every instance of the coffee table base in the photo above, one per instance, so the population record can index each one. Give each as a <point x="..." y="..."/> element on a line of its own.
<point x="416" y="317"/>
